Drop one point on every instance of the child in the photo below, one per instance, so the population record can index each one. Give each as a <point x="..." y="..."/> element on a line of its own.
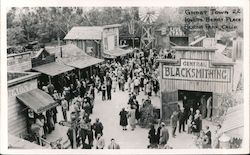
<point x="189" y="124"/>
<point x="104" y="91"/>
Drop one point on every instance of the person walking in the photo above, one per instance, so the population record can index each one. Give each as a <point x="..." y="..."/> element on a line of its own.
<point x="152" y="136"/>
<point x="104" y="88"/>
<point x="40" y="131"/>
<point x="113" y="145"/>
<point x="181" y="119"/>
<point x="109" y="87"/>
<point x="70" y="136"/>
<point x="64" y="108"/>
<point x="158" y="133"/>
<point x="100" y="142"/>
<point x="173" y="122"/>
<point x="123" y="119"/>
<point x="217" y="135"/>
<point x="196" y="125"/>
<point x="98" y="128"/>
<point x="208" y="134"/>
<point x="132" y="119"/>
<point x="136" y="85"/>
<point x="164" y="135"/>
<point x="114" y="83"/>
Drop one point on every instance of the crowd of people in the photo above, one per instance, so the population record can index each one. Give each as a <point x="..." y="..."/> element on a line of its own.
<point x="134" y="74"/>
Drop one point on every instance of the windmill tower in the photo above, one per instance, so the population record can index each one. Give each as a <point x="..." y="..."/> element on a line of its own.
<point x="147" y="18"/>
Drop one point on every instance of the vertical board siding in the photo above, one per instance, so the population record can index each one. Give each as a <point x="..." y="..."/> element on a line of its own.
<point x="16" y="118"/>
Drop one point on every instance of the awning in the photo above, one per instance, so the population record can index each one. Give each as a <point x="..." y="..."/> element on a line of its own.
<point x="233" y="123"/>
<point x="37" y="100"/>
<point x="116" y="53"/>
<point x="85" y="62"/>
<point x="53" y="69"/>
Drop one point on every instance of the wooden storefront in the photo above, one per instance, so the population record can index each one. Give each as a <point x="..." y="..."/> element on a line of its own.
<point x="194" y="71"/>
<point x="18" y="83"/>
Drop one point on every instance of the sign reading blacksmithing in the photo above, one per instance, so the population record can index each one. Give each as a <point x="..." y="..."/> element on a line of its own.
<point x="196" y="70"/>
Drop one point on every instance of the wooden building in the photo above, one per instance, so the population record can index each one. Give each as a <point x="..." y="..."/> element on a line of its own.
<point x="23" y="94"/>
<point x="168" y="36"/>
<point x="195" y="72"/>
<point x="19" y="62"/>
<point x="75" y="57"/>
<point x="97" y="41"/>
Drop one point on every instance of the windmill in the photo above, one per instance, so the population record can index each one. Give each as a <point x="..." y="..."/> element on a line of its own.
<point x="147" y="17"/>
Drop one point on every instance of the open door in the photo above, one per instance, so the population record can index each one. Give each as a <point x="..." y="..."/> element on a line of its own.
<point x="169" y="103"/>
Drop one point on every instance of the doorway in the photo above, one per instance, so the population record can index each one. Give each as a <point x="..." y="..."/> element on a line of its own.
<point x="198" y="100"/>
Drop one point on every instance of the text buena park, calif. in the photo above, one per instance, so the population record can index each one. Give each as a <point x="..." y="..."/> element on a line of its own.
<point x="195" y="17"/>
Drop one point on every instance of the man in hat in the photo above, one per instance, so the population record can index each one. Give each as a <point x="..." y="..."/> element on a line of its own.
<point x="181" y="118"/>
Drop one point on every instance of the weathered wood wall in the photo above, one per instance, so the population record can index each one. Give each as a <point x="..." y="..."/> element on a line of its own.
<point x="16" y="118"/>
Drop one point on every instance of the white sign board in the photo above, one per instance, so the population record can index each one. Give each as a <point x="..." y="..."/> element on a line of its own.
<point x="196" y="70"/>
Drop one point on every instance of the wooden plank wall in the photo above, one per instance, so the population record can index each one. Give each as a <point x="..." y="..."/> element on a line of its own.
<point x="16" y="118"/>
<point x="210" y="86"/>
<point x="205" y="55"/>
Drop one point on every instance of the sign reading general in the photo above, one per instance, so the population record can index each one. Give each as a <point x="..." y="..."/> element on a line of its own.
<point x="196" y="70"/>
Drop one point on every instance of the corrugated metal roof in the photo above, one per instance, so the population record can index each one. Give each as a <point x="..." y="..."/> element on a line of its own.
<point x="37" y="100"/>
<point x="74" y="56"/>
<point x="53" y="69"/>
<point x="85" y="33"/>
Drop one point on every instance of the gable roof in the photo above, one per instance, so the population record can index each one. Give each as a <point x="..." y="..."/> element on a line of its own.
<point x="88" y="32"/>
<point x="85" y="33"/>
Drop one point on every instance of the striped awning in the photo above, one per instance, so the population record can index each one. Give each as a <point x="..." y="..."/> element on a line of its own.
<point x="37" y="100"/>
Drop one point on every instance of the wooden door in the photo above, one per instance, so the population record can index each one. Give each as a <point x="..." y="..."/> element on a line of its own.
<point x="169" y="102"/>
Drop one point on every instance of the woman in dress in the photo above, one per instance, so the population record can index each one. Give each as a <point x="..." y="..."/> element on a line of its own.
<point x="123" y="119"/>
<point x="132" y="120"/>
<point x="114" y="82"/>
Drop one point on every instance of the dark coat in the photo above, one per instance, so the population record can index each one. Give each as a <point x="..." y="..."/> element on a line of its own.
<point x="181" y="116"/>
<point x="123" y="118"/>
<point x="196" y="125"/>
<point x="137" y="112"/>
<point x="98" y="127"/>
<point x="152" y="136"/>
<point x="158" y="135"/>
<point x="209" y="137"/>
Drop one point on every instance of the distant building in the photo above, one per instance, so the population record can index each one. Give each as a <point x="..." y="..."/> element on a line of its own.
<point x="168" y="36"/>
<point x="97" y="41"/>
